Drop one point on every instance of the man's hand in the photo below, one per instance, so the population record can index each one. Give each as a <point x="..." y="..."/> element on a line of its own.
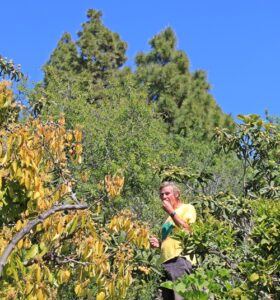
<point x="166" y="205"/>
<point x="154" y="242"/>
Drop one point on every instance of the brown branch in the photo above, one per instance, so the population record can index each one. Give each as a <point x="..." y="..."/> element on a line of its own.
<point x="31" y="224"/>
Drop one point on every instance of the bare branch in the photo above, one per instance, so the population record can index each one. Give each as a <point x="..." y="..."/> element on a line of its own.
<point x="31" y="224"/>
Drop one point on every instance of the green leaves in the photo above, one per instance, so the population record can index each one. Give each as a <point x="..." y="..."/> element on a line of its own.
<point x="255" y="143"/>
<point x="32" y="252"/>
<point x="203" y="284"/>
<point x="236" y="243"/>
<point x="7" y="67"/>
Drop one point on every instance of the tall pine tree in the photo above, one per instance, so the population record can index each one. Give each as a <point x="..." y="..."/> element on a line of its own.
<point x="181" y="97"/>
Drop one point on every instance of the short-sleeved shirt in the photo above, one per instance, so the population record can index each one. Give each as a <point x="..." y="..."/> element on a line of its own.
<point x="170" y="247"/>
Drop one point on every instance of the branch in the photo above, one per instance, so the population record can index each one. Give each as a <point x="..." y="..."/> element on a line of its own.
<point x="31" y="224"/>
<point x="229" y="262"/>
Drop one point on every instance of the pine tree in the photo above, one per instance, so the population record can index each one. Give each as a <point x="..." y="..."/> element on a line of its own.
<point x="181" y="97"/>
<point x="101" y="49"/>
<point x="89" y="62"/>
<point x="64" y="59"/>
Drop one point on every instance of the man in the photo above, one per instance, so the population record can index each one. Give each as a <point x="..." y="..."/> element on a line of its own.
<point x="180" y="217"/>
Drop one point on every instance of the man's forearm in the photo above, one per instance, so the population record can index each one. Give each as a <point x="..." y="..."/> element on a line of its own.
<point x="180" y="223"/>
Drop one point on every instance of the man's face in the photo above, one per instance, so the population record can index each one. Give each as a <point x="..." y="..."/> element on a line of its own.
<point x="167" y="194"/>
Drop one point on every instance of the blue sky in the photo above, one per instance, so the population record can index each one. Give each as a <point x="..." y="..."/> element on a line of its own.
<point x="236" y="42"/>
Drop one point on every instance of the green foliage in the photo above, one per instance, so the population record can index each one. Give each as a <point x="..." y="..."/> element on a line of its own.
<point x="123" y="135"/>
<point x="88" y="62"/>
<point x="155" y="124"/>
<point x="64" y="59"/>
<point x="182" y="98"/>
<point x="9" y="110"/>
<point x="204" y="285"/>
<point x="8" y="68"/>
<point x="236" y="242"/>
<point x="256" y="143"/>
<point x="101" y="49"/>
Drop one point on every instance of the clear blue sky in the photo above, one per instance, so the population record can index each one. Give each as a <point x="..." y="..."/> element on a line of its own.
<point x="236" y="42"/>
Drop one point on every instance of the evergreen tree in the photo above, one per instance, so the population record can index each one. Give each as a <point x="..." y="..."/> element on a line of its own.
<point x="181" y="97"/>
<point x="64" y="59"/>
<point x="89" y="62"/>
<point x="101" y="49"/>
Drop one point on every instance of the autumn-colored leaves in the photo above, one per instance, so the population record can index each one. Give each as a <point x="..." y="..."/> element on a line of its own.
<point x="114" y="185"/>
<point x="66" y="246"/>
<point x="30" y="154"/>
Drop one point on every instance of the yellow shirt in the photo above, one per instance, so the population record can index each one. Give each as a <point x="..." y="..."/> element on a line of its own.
<point x="170" y="247"/>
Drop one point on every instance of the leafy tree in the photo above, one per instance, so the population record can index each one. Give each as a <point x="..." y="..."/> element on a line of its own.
<point x="119" y="138"/>
<point x="48" y="238"/>
<point x="236" y="240"/>
<point x="256" y="144"/>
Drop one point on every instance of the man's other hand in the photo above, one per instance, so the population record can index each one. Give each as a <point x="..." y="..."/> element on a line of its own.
<point x="154" y="242"/>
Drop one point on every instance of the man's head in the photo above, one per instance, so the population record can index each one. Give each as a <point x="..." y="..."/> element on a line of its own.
<point x="170" y="191"/>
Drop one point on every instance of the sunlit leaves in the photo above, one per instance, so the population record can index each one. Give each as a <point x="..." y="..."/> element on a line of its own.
<point x="114" y="185"/>
<point x="31" y="156"/>
<point x="7" y="67"/>
<point x="236" y="244"/>
<point x="256" y="143"/>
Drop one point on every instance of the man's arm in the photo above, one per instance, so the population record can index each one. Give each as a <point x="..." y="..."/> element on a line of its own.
<point x="180" y="223"/>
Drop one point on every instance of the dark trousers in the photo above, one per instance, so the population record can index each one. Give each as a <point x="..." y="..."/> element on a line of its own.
<point x="175" y="268"/>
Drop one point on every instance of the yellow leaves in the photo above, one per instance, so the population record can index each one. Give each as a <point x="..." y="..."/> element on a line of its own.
<point x="100" y="296"/>
<point x="114" y="185"/>
<point x="110" y="270"/>
<point x="14" y="166"/>
<point x="36" y="195"/>
<point x="144" y="269"/>
<point x="80" y="288"/>
<point x="42" y="204"/>
<point x="41" y="295"/>
<point x="78" y="135"/>
<point x="27" y="243"/>
<point x="78" y="149"/>
<point x="32" y="252"/>
<point x="60" y="227"/>
<point x="4" y="160"/>
<point x="48" y="275"/>
<point x="20" y="244"/>
<point x="37" y="273"/>
<point x="65" y="189"/>
<point x="84" y="176"/>
<point x="28" y="288"/>
<point x="61" y="120"/>
<point x="72" y="225"/>
<point x="69" y="137"/>
<point x="6" y="95"/>
<point x="18" y="225"/>
<point x="135" y="233"/>
<point x="254" y="277"/>
<point x="63" y="276"/>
